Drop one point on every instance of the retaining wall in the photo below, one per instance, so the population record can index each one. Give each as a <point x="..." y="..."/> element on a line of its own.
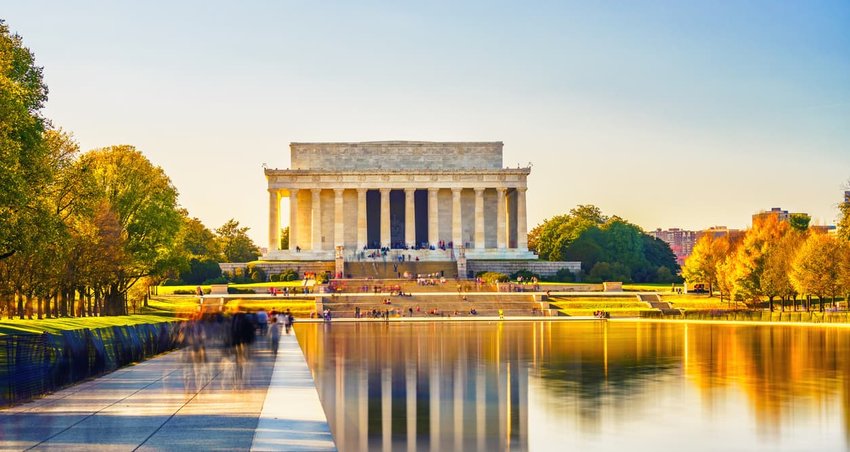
<point x="35" y="364"/>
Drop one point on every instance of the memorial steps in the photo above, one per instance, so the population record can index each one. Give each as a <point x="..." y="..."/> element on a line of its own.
<point x="344" y="306"/>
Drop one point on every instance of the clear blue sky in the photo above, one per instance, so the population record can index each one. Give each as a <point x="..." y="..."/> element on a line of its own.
<point x="670" y="114"/>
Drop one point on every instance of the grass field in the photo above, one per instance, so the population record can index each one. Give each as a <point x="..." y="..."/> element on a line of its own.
<point x="185" y="306"/>
<point x="169" y="290"/>
<point x="644" y="287"/>
<point x="54" y="326"/>
<point x="586" y="306"/>
<point x="697" y="302"/>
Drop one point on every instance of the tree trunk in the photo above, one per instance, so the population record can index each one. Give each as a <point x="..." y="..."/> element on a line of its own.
<point x="770" y="302"/>
<point x="88" y="300"/>
<point x="39" y="307"/>
<point x="114" y="302"/>
<point x="20" y="298"/>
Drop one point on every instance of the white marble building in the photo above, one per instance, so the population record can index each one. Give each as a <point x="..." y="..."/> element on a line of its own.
<point x="427" y="198"/>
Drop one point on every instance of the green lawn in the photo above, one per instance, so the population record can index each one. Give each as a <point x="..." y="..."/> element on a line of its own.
<point x="697" y="302"/>
<point x="176" y="305"/>
<point x="650" y="287"/>
<point x="169" y="290"/>
<point x="54" y="326"/>
<point x="586" y="306"/>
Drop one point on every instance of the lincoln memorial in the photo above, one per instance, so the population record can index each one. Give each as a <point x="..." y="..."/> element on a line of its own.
<point x="428" y="199"/>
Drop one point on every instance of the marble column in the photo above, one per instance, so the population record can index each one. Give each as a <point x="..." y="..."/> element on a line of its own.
<point x="274" y="220"/>
<point x="433" y="217"/>
<point x="457" y="221"/>
<point x="521" y="225"/>
<point x="339" y="225"/>
<point x="293" y="218"/>
<point x="409" y="217"/>
<point x="385" y="217"/>
<point x="479" y="218"/>
<point x="316" y="219"/>
<point x="501" y="219"/>
<point x="361" y="219"/>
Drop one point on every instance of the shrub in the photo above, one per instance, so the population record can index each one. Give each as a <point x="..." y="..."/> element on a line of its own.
<point x="526" y="275"/>
<point x="603" y="271"/>
<point x="219" y="280"/>
<point x="321" y="278"/>
<point x="289" y="275"/>
<point x="183" y="292"/>
<point x="564" y="275"/>
<point x="173" y="282"/>
<point x="255" y="273"/>
<point x="237" y="291"/>
<point x="274" y="277"/>
<point x="493" y="277"/>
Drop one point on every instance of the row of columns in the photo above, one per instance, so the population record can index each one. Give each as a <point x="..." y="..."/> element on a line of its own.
<point x="409" y="214"/>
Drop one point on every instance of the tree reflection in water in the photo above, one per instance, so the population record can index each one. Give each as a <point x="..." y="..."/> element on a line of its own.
<point x="587" y="385"/>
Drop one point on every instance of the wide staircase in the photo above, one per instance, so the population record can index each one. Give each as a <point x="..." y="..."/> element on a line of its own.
<point x="656" y="302"/>
<point x="615" y="304"/>
<point x="384" y="269"/>
<point x="436" y="305"/>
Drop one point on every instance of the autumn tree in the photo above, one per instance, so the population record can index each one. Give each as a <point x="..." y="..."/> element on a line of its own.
<point x="702" y="265"/>
<point x="815" y="270"/>
<point x="752" y="256"/>
<point x="776" y="277"/>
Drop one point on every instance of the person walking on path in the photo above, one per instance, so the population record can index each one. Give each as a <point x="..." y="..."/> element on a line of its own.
<point x="288" y="318"/>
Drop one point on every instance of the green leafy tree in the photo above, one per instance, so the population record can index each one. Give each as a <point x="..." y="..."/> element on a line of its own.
<point x="143" y="202"/>
<point x="799" y="221"/>
<point x="195" y="253"/>
<point x="843" y="224"/>
<point x="22" y="150"/>
<point x="284" y="238"/>
<point x="235" y="244"/>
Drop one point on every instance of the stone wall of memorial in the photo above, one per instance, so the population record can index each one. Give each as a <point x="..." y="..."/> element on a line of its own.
<point x="542" y="268"/>
<point x="396" y="155"/>
<point x="279" y="267"/>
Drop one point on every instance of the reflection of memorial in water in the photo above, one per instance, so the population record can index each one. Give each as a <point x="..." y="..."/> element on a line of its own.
<point x="580" y="385"/>
<point x="423" y="385"/>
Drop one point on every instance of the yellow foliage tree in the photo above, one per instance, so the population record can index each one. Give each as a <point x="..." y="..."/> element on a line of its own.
<point x="815" y="270"/>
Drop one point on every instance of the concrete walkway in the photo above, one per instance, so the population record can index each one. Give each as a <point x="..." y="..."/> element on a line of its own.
<point x="180" y="401"/>
<point x="292" y="416"/>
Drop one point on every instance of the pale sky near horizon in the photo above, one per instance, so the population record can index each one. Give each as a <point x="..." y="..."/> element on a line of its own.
<point x="667" y="113"/>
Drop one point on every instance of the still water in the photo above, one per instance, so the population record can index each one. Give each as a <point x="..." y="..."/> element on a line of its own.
<point x="584" y="386"/>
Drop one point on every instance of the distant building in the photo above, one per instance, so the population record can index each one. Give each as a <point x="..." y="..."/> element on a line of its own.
<point x="721" y="231"/>
<point x="680" y="241"/>
<point x="824" y="229"/>
<point x="781" y="215"/>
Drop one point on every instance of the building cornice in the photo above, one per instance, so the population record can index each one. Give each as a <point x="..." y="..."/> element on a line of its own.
<point x="377" y="172"/>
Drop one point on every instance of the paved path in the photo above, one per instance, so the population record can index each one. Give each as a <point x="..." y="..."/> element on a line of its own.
<point x="174" y="402"/>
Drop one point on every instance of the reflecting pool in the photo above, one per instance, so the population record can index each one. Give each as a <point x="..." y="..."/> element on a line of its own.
<point x="584" y="386"/>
